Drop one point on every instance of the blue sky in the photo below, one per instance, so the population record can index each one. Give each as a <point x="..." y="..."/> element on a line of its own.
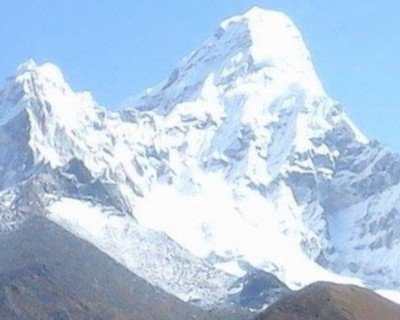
<point x="116" y="48"/>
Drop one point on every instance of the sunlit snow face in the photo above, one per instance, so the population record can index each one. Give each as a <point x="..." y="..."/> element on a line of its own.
<point x="239" y="154"/>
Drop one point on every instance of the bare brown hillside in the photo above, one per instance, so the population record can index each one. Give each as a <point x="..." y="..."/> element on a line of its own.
<point x="327" y="301"/>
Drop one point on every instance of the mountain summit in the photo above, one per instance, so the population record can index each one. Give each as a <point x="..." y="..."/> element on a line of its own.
<point x="238" y="164"/>
<point x="272" y="38"/>
<point x="256" y="47"/>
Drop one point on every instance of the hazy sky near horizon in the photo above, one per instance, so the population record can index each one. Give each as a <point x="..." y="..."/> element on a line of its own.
<point x="116" y="48"/>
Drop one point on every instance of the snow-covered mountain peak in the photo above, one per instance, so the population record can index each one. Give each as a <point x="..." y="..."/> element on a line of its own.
<point x="40" y="74"/>
<point x="29" y="64"/>
<point x="36" y="87"/>
<point x="275" y="39"/>
<point x="259" y="17"/>
<point x="259" y="50"/>
<point x="45" y="117"/>
<point x="241" y="145"/>
<point x="41" y="86"/>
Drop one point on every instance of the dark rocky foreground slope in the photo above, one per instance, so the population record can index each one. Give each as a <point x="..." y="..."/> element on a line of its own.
<point x="47" y="273"/>
<point x="327" y="301"/>
<point x="58" y="276"/>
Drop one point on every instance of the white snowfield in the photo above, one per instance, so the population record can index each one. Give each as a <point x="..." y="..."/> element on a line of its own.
<point x="239" y="154"/>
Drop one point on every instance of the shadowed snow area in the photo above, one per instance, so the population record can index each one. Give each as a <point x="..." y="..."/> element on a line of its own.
<point x="238" y="161"/>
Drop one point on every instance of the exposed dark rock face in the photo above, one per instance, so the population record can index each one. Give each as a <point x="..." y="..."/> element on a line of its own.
<point x="258" y="290"/>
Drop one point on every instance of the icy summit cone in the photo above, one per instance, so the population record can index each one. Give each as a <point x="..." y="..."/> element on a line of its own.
<point x="271" y="37"/>
<point x="260" y="46"/>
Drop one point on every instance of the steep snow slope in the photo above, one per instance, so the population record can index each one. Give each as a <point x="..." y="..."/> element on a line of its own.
<point x="57" y="143"/>
<point x="249" y="111"/>
<point x="269" y="161"/>
<point x="239" y="158"/>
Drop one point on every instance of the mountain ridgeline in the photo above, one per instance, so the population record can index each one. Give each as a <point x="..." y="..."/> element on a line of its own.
<point x="219" y="191"/>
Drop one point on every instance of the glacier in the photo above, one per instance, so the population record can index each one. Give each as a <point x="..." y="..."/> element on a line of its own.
<point x="240" y="158"/>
